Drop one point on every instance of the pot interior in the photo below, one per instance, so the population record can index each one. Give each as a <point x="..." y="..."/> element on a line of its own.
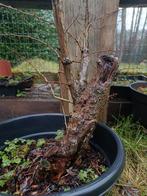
<point x="36" y="126"/>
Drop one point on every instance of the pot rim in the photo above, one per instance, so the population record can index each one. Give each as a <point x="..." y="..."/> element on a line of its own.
<point x="112" y="173"/>
<point x="134" y="89"/>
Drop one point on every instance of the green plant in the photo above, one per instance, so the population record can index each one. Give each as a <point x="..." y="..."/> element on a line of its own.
<point x="132" y="135"/>
<point x="13" y="155"/>
<point x="13" y="81"/>
<point x="87" y="175"/>
<point x="6" y="177"/>
<point x="135" y="141"/>
<point x="20" y="93"/>
<point x="40" y="142"/>
<point x="59" y="134"/>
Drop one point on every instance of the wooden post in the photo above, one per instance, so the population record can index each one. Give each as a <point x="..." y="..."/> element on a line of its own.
<point x="90" y="22"/>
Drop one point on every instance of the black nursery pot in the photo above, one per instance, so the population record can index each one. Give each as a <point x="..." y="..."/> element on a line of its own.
<point x="139" y="103"/>
<point x="26" y="83"/>
<point x="124" y="92"/>
<point x="46" y="125"/>
<point x="120" y="92"/>
<point x="8" y="90"/>
<point x="11" y="90"/>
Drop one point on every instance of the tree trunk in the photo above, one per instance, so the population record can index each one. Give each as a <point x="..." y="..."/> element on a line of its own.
<point x="136" y="28"/>
<point x="131" y="34"/>
<point x="139" y="47"/>
<point x="90" y="96"/>
<point x="136" y="35"/>
<point x="123" y="33"/>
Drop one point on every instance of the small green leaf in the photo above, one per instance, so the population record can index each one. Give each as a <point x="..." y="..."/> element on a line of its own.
<point x="82" y="175"/>
<point x="29" y="142"/>
<point x="66" y="189"/>
<point x="87" y="175"/>
<point x="25" y="164"/>
<point x="2" y="183"/>
<point x="17" y="160"/>
<point x="5" y="161"/>
<point x="6" y="177"/>
<point x="60" y="134"/>
<point x="40" y="142"/>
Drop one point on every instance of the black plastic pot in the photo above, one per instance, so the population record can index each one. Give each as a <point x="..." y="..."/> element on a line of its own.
<point x="8" y="91"/>
<point x="139" y="102"/>
<point x="122" y="91"/>
<point x="104" y="139"/>
<point x="11" y="90"/>
<point x="26" y="83"/>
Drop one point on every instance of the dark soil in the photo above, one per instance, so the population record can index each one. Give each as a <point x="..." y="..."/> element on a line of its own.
<point x="25" y="171"/>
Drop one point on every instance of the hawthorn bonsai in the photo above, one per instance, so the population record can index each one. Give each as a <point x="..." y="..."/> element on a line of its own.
<point x="89" y="97"/>
<point x="45" y="166"/>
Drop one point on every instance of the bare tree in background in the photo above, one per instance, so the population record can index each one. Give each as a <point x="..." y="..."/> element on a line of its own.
<point x="136" y="35"/>
<point x="140" y="48"/>
<point x="122" y="34"/>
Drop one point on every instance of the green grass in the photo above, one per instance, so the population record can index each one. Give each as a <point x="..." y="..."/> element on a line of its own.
<point x="50" y="66"/>
<point x="133" y="177"/>
<point x="132" y="68"/>
<point x="32" y="65"/>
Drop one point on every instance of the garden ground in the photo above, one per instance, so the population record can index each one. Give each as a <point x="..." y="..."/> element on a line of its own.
<point x="133" y="179"/>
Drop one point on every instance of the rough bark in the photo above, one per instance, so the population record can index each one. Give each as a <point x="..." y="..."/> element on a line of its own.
<point x="89" y="97"/>
<point x="88" y="105"/>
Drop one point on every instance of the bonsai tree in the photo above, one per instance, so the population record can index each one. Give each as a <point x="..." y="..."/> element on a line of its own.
<point x="89" y="97"/>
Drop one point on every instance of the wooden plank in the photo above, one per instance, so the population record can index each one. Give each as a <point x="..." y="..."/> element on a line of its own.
<point x="86" y="24"/>
<point x="102" y="16"/>
<point x="10" y="108"/>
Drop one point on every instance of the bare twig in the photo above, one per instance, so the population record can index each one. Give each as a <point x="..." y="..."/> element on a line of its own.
<point x="77" y="42"/>
<point x="49" y="85"/>
<point x="73" y="21"/>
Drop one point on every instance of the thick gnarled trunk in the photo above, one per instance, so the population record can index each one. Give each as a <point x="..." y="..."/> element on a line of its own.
<point x="90" y="96"/>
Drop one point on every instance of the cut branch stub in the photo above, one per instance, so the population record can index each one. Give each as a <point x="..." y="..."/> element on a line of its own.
<point x="84" y="66"/>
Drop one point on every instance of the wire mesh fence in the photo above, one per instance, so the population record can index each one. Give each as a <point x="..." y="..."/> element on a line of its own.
<point x="26" y="34"/>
